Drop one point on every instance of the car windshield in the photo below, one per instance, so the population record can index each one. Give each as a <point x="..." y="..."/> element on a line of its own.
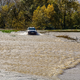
<point x="31" y="28"/>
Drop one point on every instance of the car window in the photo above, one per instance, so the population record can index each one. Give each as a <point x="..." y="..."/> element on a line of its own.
<point x="31" y="28"/>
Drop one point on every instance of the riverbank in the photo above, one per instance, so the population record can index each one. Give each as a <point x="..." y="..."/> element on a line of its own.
<point x="71" y="74"/>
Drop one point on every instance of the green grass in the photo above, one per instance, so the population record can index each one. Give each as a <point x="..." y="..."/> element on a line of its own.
<point x="8" y="31"/>
<point x="64" y="30"/>
<point x="60" y="30"/>
<point x="44" y="31"/>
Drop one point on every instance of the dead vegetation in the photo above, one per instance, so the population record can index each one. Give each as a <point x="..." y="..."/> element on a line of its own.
<point x="66" y="37"/>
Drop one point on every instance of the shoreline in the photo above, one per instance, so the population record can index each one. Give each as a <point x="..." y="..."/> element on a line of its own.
<point x="12" y="75"/>
<point x="71" y="74"/>
<point x="68" y="74"/>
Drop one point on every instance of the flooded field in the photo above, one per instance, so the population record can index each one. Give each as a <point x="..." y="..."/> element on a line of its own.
<point x="42" y="55"/>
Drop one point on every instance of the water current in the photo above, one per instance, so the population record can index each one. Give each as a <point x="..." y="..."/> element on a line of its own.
<point x="41" y="55"/>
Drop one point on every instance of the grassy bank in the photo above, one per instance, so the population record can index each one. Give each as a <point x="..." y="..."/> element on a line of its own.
<point x="43" y="31"/>
<point x="64" y="30"/>
<point x="59" y="30"/>
<point x="8" y="31"/>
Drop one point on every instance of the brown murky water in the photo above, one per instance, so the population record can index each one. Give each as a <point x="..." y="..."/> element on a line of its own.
<point x="37" y="55"/>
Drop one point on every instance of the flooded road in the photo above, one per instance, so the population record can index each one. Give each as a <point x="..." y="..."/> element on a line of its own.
<point x="42" y="55"/>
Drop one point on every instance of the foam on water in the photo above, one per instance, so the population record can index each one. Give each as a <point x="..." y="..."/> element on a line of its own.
<point x="19" y="33"/>
<point x="23" y="33"/>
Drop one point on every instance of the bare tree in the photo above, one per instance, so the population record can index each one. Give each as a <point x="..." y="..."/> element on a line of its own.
<point x="3" y="2"/>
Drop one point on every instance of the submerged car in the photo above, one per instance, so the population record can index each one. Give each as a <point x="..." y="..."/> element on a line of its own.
<point x="31" y="31"/>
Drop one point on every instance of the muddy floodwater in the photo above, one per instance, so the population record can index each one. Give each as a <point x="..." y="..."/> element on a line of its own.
<point x="42" y="55"/>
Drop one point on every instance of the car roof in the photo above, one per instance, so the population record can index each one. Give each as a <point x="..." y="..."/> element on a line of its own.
<point x="31" y="27"/>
